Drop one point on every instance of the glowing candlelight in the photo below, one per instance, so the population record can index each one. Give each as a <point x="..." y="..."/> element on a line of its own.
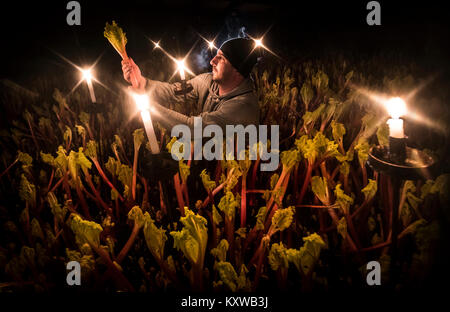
<point x="258" y="43"/>
<point x="396" y="108"/>
<point x="211" y="45"/>
<point x="181" y="69"/>
<point x="143" y="104"/>
<point x="87" y="75"/>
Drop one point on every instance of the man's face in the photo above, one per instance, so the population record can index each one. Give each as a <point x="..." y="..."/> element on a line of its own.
<point x="221" y="68"/>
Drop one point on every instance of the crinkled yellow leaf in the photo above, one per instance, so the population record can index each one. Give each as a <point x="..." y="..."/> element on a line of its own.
<point x="290" y="158"/>
<point x="91" y="149"/>
<point x="228" y="204"/>
<point x="282" y="219"/>
<point x="320" y="189"/>
<point x="207" y="183"/>
<point x="185" y="170"/>
<point x="136" y="215"/>
<point x="260" y="218"/>
<point x="85" y="231"/>
<point x="154" y="237"/>
<point x="342" y="227"/>
<point x="370" y="190"/>
<point x="220" y="252"/>
<point x="216" y="215"/>
<point x="27" y="190"/>
<point x="192" y="239"/>
<point x="278" y="257"/>
<point x="337" y="130"/>
<point x="227" y="274"/>
<point x="343" y="200"/>
<point x="138" y="138"/>
<point x="116" y="37"/>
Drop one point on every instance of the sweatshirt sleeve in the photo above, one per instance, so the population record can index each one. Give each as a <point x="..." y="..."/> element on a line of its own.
<point x="239" y="110"/>
<point x="164" y="93"/>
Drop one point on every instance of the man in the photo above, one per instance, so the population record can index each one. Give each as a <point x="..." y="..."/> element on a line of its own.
<point x="223" y="97"/>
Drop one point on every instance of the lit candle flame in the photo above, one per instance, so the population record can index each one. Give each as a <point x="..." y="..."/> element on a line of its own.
<point x="396" y="107"/>
<point x="87" y="75"/>
<point x="142" y="101"/>
<point x="258" y="43"/>
<point x="181" y="67"/>
<point x="143" y="104"/>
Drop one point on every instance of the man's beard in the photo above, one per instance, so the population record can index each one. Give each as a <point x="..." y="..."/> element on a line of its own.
<point x="215" y="77"/>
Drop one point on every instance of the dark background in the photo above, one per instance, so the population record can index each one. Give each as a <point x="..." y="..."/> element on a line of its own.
<point x="307" y="28"/>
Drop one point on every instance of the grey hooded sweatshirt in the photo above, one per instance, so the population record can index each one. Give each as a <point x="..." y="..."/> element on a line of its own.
<point x="238" y="107"/>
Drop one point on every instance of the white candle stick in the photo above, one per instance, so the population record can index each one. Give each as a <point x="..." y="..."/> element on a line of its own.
<point x="396" y="128"/>
<point x="396" y="108"/>
<point x="148" y="125"/>
<point x="91" y="91"/>
<point x="142" y="102"/>
<point x="87" y="75"/>
<point x="181" y="69"/>
<point x="182" y="76"/>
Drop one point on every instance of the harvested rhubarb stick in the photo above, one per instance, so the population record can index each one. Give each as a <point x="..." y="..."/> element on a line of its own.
<point x="118" y="40"/>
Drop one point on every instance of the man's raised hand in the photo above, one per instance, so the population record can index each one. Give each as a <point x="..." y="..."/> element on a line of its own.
<point x="129" y="68"/>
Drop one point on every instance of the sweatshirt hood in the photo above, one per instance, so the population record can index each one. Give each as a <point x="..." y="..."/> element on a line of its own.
<point x="246" y="86"/>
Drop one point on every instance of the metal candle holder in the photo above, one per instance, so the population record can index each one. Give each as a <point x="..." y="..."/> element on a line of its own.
<point x="397" y="150"/>
<point x="399" y="162"/>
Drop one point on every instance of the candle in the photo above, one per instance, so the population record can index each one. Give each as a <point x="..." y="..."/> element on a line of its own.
<point x="397" y="142"/>
<point x="181" y="69"/>
<point x="143" y="104"/>
<point x="396" y="108"/>
<point x="87" y="75"/>
<point x="91" y="91"/>
<point x="396" y="128"/>
<point x="182" y="76"/>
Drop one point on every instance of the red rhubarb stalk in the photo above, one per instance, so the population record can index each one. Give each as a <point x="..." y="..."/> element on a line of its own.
<point x="104" y="177"/>
<point x="129" y="243"/>
<point x="9" y="167"/>
<point x="51" y="179"/>
<point x="133" y="183"/>
<point x="161" y="197"/>
<point x="97" y="194"/>
<point x="305" y="183"/>
<point x="244" y="200"/>
<point x="179" y="193"/>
